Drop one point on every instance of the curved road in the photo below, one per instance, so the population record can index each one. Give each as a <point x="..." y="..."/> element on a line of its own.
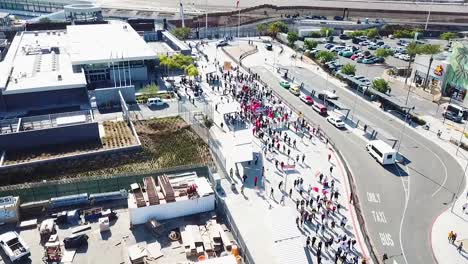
<point x="399" y="202"/>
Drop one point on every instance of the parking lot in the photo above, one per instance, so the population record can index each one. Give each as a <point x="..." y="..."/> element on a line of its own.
<point x="372" y="71"/>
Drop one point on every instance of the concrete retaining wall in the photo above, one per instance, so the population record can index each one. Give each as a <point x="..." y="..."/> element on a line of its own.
<point x="72" y="134"/>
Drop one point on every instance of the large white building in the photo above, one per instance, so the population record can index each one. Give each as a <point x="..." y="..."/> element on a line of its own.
<point x="55" y="68"/>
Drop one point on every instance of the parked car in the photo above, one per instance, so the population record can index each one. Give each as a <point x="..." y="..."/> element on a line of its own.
<point x="369" y="60"/>
<point x="452" y="116"/>
<point x="364" y="43"/>
<point x="328" y="95"/>
<point x="344" y="37"/>
<point x="404" y="57"/>
<point x="296" y="90"/>
<point x="356" y="56"/>
<point x="346" y="53"/>
<point x="156" y="101"/>
<point x="329" y="46"/>
<point x="285" y="84"/>
<point x="75" y="241"/>
<point x="337" y="48"/>
<point x="379" y="60"/>
<point x="320" y="108"/>
<point x="306" y="99"/>
<point x="222" y="43"/>
<point x="336" y="121"/>
<point x="373" y="47"/>
<point x="268" y="46"/>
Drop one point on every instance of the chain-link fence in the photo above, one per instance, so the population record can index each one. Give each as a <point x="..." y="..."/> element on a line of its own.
<point x="198" y="117"/>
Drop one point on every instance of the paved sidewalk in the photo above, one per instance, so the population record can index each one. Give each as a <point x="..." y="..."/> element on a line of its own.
<point x="267" y="226"/>
<point x="454" y="219"/>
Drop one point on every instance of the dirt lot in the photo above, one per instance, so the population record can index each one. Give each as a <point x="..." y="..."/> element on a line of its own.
<point x="166" y="142"/>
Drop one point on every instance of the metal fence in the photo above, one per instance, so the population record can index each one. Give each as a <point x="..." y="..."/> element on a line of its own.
<point x="195" y="117"/>
<point x="106" y="183"/>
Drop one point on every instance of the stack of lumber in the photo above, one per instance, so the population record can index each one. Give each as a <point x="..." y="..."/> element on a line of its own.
<point x="150" y="187"/>
<point x="166" y="188"/>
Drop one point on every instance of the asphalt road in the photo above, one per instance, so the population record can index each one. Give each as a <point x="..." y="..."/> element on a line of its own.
<point x="400" y="202"/>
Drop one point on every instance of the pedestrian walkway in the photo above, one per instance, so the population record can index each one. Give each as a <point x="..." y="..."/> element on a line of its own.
<point x="290" y="192"/>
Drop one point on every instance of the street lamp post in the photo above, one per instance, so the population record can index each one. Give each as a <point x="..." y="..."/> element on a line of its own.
<point x="408" y="109"/>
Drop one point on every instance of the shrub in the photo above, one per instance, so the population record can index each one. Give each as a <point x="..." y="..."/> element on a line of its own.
<point x="325" y="56"/>
<point x="310" y="44"/>
<point x="315" y="34"/>
<point x="348" y="69"/>
<point x="380" y="85"/>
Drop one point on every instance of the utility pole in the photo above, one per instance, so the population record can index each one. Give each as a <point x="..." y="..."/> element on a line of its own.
<point x="182" y="13"/>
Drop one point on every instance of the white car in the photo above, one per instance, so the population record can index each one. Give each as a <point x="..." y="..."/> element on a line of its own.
<point x="336" y="121"/>
<point x="337" y="48"/>
<point x="156" y="101"/>
<point x="405" y="57"/>
<point x="14" y="246"/>
<point x="329" y="95"/>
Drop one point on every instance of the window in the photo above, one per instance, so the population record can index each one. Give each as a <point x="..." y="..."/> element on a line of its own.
<point x="390" y="156"/>
<point x="376" y="151"/>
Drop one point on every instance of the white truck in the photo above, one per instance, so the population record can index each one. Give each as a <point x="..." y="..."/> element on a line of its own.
<point x="14" y="246"/>
<point x="381" y="152"/>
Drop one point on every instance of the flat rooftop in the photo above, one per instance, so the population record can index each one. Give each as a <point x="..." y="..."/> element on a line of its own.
<point x="45" y="60"/>
<point x="38" y="61"/>
<point x="102" y="43"/>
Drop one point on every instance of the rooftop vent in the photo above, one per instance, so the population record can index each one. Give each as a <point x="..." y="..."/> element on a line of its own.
<point x="59" y="77"/>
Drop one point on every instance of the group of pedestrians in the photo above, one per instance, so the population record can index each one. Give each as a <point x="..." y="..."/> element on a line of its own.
<point x="452" y="237"/>
<point x="280" y="130"/>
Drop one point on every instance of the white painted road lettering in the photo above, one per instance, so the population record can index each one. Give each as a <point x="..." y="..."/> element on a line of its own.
<point x="373" y="197"/>
<point x="386" y="239"/>
<point x="379" y="217"/>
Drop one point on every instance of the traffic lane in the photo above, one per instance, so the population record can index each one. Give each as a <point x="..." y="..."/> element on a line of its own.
<point x="381" y="217"/>
<point x="428" y="175"/>
<point x="416" y="152"/>
<point x="423" y="205"/>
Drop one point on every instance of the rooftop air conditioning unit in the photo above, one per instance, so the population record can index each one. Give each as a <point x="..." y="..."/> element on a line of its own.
<point x="59" y="77"/>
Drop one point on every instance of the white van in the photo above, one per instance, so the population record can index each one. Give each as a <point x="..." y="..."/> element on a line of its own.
<point x="382" y="152"/>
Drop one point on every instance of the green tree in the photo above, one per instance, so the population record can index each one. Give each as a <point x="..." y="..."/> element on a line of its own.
<point x="182" y="32"/>
<point x="191" y="70"/>
<point x="262" y="29"/>
<point x="150" y="89"/>
<point x="315" y="34"/>
<point x="372" y="33"/>
<point x="383" y="53"/>
<point x="357" y="33"/>
<point x="326" y="32"/>
<point x="448" y="36"/>
<point x="429" y="49"/>
<point x="348" y="69"/>
<point x="276" y="27"/>
<point x="181" y="61"/>
<point x="310" y="44"/>
<point x="380" y="85"/>
<point x="325" y="56"/>
<point x="292" y="37"/>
